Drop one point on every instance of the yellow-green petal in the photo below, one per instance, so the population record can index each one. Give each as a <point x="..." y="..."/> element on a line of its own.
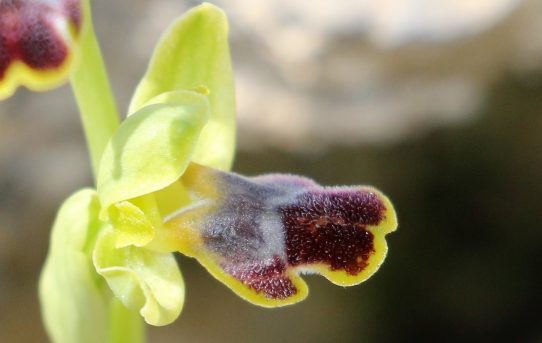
<point x="141" y="279"/>
<point x="73" y="299"/>
<point x="194" y="52"/>
<point x="152" y="148"/>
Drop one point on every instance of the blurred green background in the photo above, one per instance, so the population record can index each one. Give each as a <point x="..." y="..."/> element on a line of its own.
<point x="463" y="167"/>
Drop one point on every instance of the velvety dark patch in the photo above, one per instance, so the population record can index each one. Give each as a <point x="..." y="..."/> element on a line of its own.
<point x="270" y="279"/>
<point x="40" y="47"/>
<point x="329" y="227"/>
<point x="27" y="33"/>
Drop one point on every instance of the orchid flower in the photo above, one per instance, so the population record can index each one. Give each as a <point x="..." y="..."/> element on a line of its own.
<point x="37" y="41"/>
<point x="163" y="185"/>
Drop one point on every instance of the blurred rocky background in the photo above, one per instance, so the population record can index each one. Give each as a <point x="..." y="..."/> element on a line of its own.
<point x="436" y="102"/>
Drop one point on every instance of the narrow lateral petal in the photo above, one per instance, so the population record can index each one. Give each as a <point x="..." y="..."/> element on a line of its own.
<point x="36" y="37"/>
<point x="258" y="234"/>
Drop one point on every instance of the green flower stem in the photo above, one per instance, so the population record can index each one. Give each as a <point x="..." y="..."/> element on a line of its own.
<point x="100" y="119"/>
<point x="93" y="94"/>
<point x="126" y="325"/>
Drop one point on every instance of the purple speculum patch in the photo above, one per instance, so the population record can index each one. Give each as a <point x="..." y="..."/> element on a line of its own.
<point x="34" y="32"/>
<point x="329" y="227"/>
<point x="266" y="229"/>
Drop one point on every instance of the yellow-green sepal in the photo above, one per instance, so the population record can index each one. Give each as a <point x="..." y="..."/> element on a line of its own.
<point x="142" y="279"/>
<point x="74" y="298"/>
<point x="152" y="148"/>
<point x="194" y="52"/>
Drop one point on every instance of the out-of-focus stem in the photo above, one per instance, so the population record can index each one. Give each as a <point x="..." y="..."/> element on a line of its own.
<point x="126" y="325"/>
<point x="93" y="93"/>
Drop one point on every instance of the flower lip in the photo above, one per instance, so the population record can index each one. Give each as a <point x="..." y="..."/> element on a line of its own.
<point x="258" y="234"/>
<point x="35" y="39"/>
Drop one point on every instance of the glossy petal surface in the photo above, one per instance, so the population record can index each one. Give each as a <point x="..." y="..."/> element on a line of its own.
<point x="258" y="234"/>
<point x="36" y="37"/>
